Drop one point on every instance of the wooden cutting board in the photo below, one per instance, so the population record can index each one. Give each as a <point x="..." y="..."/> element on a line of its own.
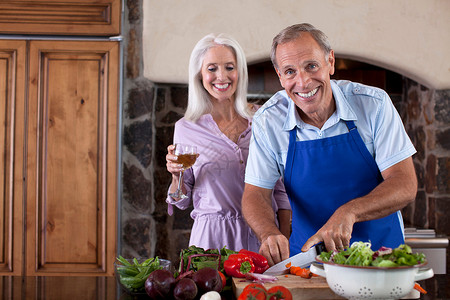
<point x="300" y="288"/>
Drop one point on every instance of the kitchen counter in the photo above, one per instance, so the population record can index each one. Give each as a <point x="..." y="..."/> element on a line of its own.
<point x="106" y="288"/>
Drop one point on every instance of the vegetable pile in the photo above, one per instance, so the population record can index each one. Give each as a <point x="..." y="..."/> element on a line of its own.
<point x="162" y="284"/>
<point x="200" y="273"/>
<point x="132" y="275"/>
<point x="361" y="254"/>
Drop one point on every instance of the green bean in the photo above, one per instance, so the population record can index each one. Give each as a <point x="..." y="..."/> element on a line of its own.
<point x="123" y="261"/>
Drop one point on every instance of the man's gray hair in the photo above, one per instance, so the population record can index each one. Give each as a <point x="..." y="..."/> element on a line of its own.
<point x="294" y="31"/>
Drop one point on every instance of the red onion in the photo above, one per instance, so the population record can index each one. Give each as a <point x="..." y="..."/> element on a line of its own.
<point x="260" y="278"/>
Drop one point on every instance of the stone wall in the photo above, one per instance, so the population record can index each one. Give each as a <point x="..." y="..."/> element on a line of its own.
<point x="151" y="109"/>
<point x="426" y="114"/>
<point x="427" y="118"/>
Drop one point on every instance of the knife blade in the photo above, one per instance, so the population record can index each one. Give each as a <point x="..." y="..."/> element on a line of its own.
<point x="302" y="260"/>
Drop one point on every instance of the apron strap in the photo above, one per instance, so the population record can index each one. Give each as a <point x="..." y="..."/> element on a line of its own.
<point x="352" y="129"/>
<point x="290" y="153"/>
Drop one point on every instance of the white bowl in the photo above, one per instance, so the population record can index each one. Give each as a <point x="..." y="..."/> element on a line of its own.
<point x="356" y="282"/>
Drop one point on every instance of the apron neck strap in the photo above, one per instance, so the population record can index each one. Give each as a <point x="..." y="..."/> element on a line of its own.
<point x="350" y="125"/>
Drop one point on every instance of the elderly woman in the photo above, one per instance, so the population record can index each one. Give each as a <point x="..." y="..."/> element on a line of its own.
<point x="218" y="122"/>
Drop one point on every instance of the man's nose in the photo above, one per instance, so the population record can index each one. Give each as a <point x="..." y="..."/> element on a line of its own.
<point x="303" y="80"/>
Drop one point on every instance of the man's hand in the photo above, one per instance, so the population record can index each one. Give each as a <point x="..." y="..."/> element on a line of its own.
<point x="336" y="233"/>
<point x="275" y="248"/>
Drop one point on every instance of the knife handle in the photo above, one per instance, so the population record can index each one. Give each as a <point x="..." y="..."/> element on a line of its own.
<point x="320" y="247"/>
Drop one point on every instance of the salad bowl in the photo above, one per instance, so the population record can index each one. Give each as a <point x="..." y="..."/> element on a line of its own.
<point x="360" y="273"/>
<point x="357" y="282"/>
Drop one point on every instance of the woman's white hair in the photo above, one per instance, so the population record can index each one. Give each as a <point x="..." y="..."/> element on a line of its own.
<point x="199" y="101"/>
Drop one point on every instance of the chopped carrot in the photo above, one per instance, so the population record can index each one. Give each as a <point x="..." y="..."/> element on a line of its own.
<point x="286" y="276"/>
<point x="288" y="265"/>
<point x="304" y="273"/>
<point x="419" y="288"/>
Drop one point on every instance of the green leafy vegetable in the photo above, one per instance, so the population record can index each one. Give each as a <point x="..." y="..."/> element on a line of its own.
<point x="132" y="274"/>
<point x="361" y="254"/>
<point x="195" y="258"/>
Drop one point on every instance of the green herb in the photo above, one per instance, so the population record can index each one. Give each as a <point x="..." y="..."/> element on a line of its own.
<point x="132" y="275"/>
<point x="361" y="254"/>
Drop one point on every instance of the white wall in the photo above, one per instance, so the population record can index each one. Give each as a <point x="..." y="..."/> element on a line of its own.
<point x="411" y="37"/>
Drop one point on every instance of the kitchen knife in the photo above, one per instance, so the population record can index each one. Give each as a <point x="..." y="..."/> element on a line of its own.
<point x="302" y="260"/>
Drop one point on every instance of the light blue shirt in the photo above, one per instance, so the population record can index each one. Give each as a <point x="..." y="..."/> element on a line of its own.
<point x="375" y="117"/>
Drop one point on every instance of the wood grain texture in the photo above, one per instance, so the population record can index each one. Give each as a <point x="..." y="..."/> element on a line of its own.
<point x="12" y="105"/>
<point x="72" y="157"/>
<point x="61" y="17"/>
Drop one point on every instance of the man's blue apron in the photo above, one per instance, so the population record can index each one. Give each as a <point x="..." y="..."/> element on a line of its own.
<point x="321" y="175"/>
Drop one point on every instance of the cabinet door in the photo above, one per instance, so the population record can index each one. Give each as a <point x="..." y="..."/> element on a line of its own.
<point x="61" y="17"/>
<point x="12" y="96"/>
<point x="72" y="157"/>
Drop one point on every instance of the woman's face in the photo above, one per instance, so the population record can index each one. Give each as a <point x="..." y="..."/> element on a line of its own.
<point x="219" y="73"/>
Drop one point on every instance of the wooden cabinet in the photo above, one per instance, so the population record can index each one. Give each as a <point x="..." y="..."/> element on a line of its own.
<point x="12" y="131"/>
<point x="61" y="17"/>
<point x="59" y="137"/>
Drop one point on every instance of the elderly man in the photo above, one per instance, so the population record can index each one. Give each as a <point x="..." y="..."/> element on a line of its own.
<point x="342" y="151"/>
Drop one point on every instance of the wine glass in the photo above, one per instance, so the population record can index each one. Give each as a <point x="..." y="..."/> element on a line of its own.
<point x="187" y="155"/>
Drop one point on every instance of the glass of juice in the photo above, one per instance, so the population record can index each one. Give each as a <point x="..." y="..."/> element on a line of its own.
<point x="187" y="155"/>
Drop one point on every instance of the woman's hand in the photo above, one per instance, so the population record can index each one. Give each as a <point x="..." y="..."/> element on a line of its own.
<point x="172" y="166"/>
<point x="175" y="169"/>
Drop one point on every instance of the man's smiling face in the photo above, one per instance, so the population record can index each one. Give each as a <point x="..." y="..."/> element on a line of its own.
<point x="304" y="71"/>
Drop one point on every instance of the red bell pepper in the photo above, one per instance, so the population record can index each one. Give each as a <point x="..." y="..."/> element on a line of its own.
<point x="239" y="264"/>
<point x="261" y="263"/>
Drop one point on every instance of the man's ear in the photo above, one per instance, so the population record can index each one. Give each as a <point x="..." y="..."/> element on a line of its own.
<point x="279" y="76"/>
<point x="331" y="61"/>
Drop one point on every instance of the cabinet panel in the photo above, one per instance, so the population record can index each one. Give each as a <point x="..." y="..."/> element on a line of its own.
<point x="72" y="157"/>
<point x="60" y="17"/>
<point x="12" y="96"/>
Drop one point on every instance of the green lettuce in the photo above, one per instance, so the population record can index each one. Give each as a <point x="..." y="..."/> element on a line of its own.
<point x="361" y="254"/>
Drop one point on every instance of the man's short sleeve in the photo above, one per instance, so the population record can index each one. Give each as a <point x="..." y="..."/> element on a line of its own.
<point x="262" y="169"/>
<point x="391" y="142"/>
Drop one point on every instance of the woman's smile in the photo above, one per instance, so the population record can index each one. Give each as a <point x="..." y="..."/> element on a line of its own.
<point x="221" y="86"/>
<point x="219" y="73"/>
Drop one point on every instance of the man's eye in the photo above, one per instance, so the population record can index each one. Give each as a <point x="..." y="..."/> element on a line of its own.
<point x="312" y="67"/>
<point x="289" y="72"/>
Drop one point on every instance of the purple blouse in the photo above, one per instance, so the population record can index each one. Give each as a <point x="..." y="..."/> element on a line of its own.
<point x="215" y="185"/>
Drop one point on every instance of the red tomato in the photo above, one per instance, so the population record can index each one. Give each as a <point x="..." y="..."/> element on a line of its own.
<point x="254" y="291"/>
<point x="279" y="292"/>
<point x="224" y="279"/>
